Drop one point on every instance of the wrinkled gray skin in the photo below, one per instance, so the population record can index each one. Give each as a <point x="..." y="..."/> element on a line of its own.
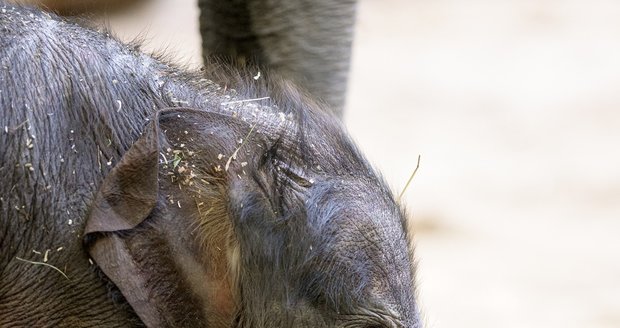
<point x="308" y="41"/>
<point x="230" y="212"/>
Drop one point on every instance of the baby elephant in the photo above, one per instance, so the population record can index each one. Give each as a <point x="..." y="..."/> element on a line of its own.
<point x="135" y="194"/>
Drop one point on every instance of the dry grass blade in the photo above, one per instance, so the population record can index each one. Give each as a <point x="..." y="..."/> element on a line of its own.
<point x="410" y="179"/>
<point x="243" y="101"/>
<point x="234" y="154"/>
<point x="44" y="264"/>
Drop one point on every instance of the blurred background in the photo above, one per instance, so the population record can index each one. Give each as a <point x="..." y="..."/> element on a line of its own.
<point x="514" y="106"/>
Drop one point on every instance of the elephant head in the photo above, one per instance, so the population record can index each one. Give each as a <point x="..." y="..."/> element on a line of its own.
<point x="211" y="219"/>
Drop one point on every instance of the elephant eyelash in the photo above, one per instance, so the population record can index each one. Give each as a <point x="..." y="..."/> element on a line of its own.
<point x="285" y="184"/>
<point x="292" y="174"/>
<point x="283" y="170"/>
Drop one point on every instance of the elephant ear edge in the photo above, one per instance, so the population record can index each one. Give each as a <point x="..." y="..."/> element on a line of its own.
<point x="129" y="193"/>
<point x="125" y="199"/>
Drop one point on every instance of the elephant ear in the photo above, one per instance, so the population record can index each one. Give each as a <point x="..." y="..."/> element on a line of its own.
<point x="129" y="194"/>
<point x="125" y="199"/>
<point x="143" y="244"/>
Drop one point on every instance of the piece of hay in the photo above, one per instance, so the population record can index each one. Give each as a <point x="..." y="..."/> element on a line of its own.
<point x="410" y="179"/>
<point x="44" y="264"/>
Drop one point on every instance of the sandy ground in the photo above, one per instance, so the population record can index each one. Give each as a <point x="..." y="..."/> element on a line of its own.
<point x="515" y="108"/>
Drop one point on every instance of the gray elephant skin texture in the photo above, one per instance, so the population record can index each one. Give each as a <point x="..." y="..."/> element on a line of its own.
<point x="136" y="194"/>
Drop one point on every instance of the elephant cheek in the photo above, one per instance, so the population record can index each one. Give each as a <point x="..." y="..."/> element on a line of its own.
<point x="213" y="287"/>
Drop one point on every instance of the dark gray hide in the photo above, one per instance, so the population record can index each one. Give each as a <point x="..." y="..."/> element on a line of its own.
<point x="237" y="210"/>
<point x="305" y="40"/>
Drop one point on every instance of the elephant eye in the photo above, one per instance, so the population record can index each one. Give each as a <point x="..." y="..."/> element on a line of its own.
<point x="291" y="173"/>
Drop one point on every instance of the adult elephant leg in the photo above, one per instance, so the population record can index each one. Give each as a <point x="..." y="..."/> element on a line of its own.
<point x="308" y="41"/>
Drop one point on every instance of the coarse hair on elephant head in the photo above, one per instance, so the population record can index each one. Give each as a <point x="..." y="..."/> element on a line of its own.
<point x="309" y="42"/>
<point x="220" y="218"/>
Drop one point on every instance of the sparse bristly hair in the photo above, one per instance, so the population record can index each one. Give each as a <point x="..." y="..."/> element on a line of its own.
<point x="215" y="198"/>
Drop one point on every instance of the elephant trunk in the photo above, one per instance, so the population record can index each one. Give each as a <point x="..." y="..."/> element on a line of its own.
<point x="308" y="41"/>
